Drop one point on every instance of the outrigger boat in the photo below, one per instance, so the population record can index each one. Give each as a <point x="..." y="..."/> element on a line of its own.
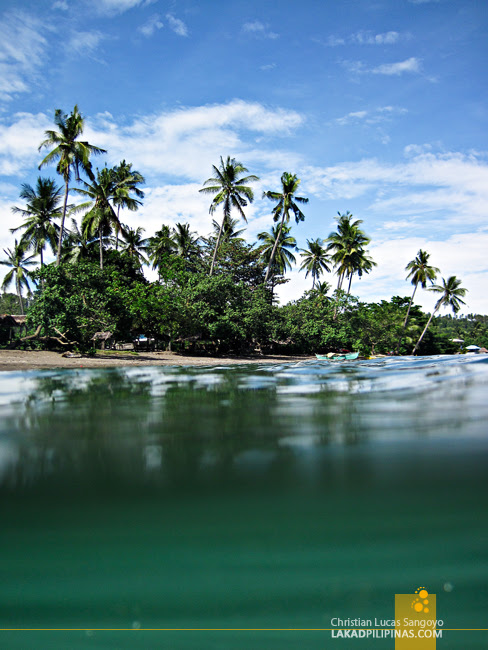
<point x="338" y="356"/>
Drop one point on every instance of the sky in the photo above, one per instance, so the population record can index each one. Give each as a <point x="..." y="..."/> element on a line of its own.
<point x="378" y="106"/>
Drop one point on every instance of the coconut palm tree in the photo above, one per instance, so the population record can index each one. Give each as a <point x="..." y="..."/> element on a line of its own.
<point x="420" y="272"/>
<point x="42" y="207"/>
<point x="134" y="244"/>
<point x="347" y="245"/>
<point x="70" y="154"/>
<point x="160" y="246"/>
<point x="451" y="297"/>
<point x="229" y="231"/>
<point x="77" y="247"/>
<point x="231" y="191"/>
<point x="315" y="260"/>
<point x="359" y="263"/>
<point x="276" y="250"/>
<point x="19" y="271"/>
<point x="186" y="242"/>
<point x="127" y="182"/>
<point x="287" y="202"/>
<point x="100" y="217"/>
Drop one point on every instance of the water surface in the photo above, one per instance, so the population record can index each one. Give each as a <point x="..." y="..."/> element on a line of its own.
<point x="272" y="496"/>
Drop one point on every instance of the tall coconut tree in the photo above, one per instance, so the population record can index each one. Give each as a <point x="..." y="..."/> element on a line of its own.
<point x="127" y="181"/>
<point x="78" y="246"/>
<point x="100" y="217"/>
<point x="186" y="242"/>
<point x="160" y="246"/>
<point x="70" y="154"/>
<point x="359" y="263"/>
<point x="287" y="202"/>
<point x="229" y="231"/>
<point x="275" y="250"/>
<point x="19" y="272"/>
<point x="452" y="293"/>
<point x="315" y="260"/>
<point x="419" y="272"/>
<point x="134" y="244"/>
<point x="231" y="190"/>
<point x="41" y="209"/>
<point x="346" y="246"/>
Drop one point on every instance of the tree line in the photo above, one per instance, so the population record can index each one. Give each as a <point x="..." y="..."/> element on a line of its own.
<point x="194" y="270"/>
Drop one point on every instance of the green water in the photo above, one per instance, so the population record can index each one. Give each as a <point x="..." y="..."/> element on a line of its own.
<point x="244" y="497"/>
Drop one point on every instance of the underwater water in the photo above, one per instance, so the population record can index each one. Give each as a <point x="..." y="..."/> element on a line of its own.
<point x="241" y="506"/>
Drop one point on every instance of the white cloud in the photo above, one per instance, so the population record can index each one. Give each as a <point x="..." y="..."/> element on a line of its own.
<point x="268" y="66"/>
<point x="259" y="29"/>
<point x="365" y="38"/>
<point x="183" y="142"/>
<point x="22" y="52"/>
<point x="60" y="4"/>
<point x="113" y="7"/>
<point x="177" y="25"/>
<point x="19" y="142"/>
<point x="150" y="26"/>
<point x="85" y="43"/>
<point x="409" y="65"/>
<point x="368" y="38"/>
<point x="375" y="116"/>
<point x="453" y="185"/>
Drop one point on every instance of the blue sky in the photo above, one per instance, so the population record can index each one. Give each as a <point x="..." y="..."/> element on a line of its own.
<point x="379" y="106"/>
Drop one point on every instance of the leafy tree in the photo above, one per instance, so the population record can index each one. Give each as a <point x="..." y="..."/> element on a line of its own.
<point x="315" y="260"/>
<point x="287" y="202"/>
<point x="19" y="272"/>
<point x="231" y="190"/>
<point x="451" y="297"/>
<point x="70" y="154"/>
<point x="78" y="300"/>
<point x="41" y="209"/>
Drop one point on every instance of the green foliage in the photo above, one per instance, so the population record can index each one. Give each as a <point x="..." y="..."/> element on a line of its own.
<point x="79" y="300"/>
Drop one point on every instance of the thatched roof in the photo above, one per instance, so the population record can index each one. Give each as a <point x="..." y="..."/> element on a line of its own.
<point x="20" y="319"/>
<point x="11" y="320"/>
<point x="102" y="336"/>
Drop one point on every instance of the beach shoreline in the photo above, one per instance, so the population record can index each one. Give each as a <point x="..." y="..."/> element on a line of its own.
<point x="14" y="360"/>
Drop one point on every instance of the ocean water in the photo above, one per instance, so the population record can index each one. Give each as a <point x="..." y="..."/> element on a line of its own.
<point x="242" y="506"/>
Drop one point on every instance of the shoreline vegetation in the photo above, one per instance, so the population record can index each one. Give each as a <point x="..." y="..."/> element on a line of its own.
<point x="215" y="294"/>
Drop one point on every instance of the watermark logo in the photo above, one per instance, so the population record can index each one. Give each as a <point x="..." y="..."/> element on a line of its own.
<point x="416" y="623"/>
<point x="420" y="604"/>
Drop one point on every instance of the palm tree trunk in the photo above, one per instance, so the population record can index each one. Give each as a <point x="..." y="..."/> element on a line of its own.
<point x="217" y="244"/>
<point x="350" y="282"/>
<point x="101" y="249"/>
<point x="117" y="229"/>
<point x="406" y="320"/>
<point x="61" y="231"/>
<point x="17" y="283"/>
<point x="425" y="329"/>
<point x="273" y="252"/>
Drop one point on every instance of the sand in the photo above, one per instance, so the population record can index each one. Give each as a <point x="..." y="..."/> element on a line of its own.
<point x="35" y="360"/>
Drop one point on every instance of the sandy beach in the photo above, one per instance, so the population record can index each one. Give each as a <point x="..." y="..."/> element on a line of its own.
<point x="35" y="360"/>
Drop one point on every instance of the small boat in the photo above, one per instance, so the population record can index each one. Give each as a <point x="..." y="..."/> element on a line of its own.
<point x="338" y="356"/>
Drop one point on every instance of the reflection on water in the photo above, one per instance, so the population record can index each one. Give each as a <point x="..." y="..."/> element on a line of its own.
<point x="247" y="496"/>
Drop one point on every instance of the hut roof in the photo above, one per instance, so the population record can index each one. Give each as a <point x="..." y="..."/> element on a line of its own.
<point x="102" y="336"/>
<point x="10" y="321"/>
<point x="20" y="319"/>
